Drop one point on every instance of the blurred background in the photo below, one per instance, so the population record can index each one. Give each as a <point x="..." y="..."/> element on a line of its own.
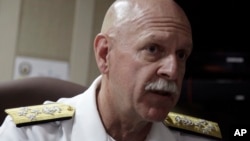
<point x="55" y="37"/>
<point x="50" y="38"/>
<point x="217" y="82"/>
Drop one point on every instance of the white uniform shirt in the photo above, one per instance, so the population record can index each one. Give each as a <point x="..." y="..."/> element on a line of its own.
<point x="86" y="125"/>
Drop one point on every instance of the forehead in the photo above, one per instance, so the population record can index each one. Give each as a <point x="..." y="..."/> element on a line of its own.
<point x="162" y="30"/>
<point x="159" y="8"/>
<point x="139" y="17"/>
<point x="161" y="27"/>
<point x="162" y="15"/>
<point x="161" y="23"/>
<point x="130" y="10"/>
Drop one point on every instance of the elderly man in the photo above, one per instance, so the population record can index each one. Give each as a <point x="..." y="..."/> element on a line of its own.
<point x="141" y="53"/>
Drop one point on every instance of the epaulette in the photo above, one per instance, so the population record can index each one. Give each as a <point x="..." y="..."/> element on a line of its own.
<point x="40" y="113"/>
<point x="193" y="124"/>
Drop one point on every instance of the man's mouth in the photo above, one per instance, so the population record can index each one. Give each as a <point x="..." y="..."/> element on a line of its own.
<point x="162" y="87"/>
<point x="161" y="93"/>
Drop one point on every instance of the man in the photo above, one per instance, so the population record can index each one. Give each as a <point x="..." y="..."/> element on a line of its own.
<point x="141" y="52"/>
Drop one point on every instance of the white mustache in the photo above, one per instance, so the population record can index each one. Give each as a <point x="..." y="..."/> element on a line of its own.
<point x="162" y="85"/>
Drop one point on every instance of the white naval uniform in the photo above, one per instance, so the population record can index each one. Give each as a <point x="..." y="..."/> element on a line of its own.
<point x="86" y="125"/>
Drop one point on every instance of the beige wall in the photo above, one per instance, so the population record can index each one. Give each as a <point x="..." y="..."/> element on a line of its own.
<point x="100" y="9"/>
<point x="9" y="19"/>
<point x="81" y="41"/>
<point x="51" y="29"/>
<point x="45" y="28"/>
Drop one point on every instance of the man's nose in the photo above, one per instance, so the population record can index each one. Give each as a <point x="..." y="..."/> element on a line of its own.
<point x="168" y="68"/>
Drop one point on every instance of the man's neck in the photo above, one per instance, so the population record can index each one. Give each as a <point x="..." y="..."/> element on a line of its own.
<point x="120" y="127"/>
<point x="136" y="134"/>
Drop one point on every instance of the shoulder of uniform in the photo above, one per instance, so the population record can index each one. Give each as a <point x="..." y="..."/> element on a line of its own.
<point x="193" y="124"/>
<point x="40" y="113"/>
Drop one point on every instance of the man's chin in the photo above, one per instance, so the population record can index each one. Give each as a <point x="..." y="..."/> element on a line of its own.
<point x="156" y="116"/>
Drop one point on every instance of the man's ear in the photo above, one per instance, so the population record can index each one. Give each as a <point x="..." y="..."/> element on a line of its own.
<point x="101" y="48"/>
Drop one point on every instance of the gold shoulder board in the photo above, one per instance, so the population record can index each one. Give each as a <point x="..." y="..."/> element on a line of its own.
<point x="40" y="113"/>
<point x="193" y="124"/>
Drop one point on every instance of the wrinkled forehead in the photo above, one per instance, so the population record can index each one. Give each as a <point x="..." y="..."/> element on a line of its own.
<point x="160" y="8"/>
<point x="123" y="13"/>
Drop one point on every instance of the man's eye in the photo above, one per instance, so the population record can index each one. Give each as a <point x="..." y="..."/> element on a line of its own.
<point x="152" y="52"/>
<point x="182" y="55"/>
<point x="153" y="49"/>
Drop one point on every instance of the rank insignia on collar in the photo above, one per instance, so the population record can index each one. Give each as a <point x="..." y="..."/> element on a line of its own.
<point x="40" y="113"/>
<point x="193" y="124"/>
